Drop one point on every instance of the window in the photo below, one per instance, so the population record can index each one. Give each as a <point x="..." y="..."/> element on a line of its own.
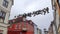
<point x="5" y="3"/>
<point x="2" y="16"/>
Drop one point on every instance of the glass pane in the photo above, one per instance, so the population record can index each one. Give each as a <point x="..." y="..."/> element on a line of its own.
<point x="2" y="14"/>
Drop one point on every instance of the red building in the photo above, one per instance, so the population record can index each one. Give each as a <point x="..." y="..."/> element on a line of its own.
<point x="19" y="26"/>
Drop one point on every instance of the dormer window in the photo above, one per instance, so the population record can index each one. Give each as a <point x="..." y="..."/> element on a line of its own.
<point x="5" y="3"/>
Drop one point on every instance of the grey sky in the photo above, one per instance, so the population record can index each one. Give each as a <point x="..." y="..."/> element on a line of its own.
<point x="25" y="6"/>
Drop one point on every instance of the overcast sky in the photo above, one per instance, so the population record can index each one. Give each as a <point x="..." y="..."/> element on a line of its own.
<point x="26" y="6"/>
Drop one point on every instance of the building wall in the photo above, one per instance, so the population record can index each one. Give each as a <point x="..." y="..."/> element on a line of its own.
<point x="57" y="18"/>
<point x="56" y="11"/>
<point x="4" y="30"/>
<point x="28" y="24"/>
<point x="59" y="29"/>
<point x="9" y="5"/>
<point x="56" y="14"/>
<point x="7" y="10"/>
<point x="4" y="24"/>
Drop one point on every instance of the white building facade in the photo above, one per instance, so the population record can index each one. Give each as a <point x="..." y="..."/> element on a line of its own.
<point x="5" y="8"/>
